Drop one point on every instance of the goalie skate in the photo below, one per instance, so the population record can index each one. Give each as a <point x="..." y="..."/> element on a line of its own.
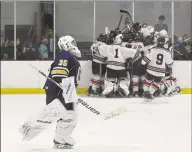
<point x="58" y="145"/>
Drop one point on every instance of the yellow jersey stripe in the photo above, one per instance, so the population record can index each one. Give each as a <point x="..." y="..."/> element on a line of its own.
<point x="59" y="72"/>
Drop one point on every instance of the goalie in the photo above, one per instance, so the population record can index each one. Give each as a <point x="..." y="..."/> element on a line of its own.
<point x="61" y="103"/>
<point x="117" y="79"/>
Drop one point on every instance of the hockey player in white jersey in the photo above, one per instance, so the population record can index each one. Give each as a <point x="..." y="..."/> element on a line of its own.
<point x="156" y="62"/>
<point x="116" y="68"/>
<point x="138" y="71"/>
<point x="61" y="103"/>
<point x="98" y="65"/>
<point x="169" y="82"/>
<point x="147" y="30"/>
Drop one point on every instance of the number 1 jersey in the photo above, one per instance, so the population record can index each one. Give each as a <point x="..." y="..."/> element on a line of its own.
<point x="157" y="60"/>
<point x="117" y="55"/>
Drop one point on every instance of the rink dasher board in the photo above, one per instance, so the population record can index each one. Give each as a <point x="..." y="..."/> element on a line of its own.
<point x="81" y="91"/>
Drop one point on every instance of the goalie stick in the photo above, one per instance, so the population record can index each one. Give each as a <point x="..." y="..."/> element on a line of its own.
<point x="85" y="104"/>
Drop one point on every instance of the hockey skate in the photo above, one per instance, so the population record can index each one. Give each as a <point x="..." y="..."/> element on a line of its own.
<point x="89" y="91"/>
<point x="110" y="94"/>
<point x="135" y="94"/>
<point x="58" y="145"/>
<point x="177" y="91"/>
<point x="157" y="93"/>
<point x="98" y="91"/>
<point x="148" y="96"/>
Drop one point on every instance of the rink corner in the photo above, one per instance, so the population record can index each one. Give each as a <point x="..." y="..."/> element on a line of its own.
<point x="34" y="91"/>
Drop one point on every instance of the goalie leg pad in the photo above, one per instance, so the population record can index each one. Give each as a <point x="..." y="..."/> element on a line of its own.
<point x="123" y="86"/>
<point x="65" y="127"/>
<point x="110" y="86"/>
<point x="35" y="125"/>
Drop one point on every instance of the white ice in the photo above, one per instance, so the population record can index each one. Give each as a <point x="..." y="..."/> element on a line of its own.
<point x="163" y="125"/>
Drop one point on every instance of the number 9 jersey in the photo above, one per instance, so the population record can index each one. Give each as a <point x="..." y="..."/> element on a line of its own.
<point x="157" y="60"/>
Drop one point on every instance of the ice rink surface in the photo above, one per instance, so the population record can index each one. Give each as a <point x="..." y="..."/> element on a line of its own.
<point x="163" y="125"/>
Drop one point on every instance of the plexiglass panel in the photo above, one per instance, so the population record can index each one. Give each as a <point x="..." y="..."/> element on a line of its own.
<point x="34" y="30"/>
<point x="108" y="15"/>
<point x="76" y="19"/>
<point x="156" y="14"/>
<point x="7" y="30"/>
<point x="182" y="30"/>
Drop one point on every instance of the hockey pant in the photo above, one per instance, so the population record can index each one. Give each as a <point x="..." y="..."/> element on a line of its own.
<point x="137" y="82"/>
<point x="116" y="80"/>
<point x="54" y="111"/>
<point x="151" y="83"/>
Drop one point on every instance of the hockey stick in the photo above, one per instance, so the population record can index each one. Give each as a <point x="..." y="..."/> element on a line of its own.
<point x="85" y="104"/>
<point x="125" y="29"/>
<point x="175" y="45"/>
<point x="121" y="17"/>
<point x="126" y="12"/>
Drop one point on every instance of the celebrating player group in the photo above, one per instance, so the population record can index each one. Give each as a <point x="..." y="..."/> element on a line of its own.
<point x="137" y="63"/>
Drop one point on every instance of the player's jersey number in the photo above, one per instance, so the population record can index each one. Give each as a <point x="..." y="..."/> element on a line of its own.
<point x="159" y="59"/>
<point x="116" y="53"/>
<point x="63" y="63"/>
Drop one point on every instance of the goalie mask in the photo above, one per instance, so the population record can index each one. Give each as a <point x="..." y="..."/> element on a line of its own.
<point x="68" y="43"/>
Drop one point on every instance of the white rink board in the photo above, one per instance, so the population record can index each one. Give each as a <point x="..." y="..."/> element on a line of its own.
<point x="18" y="74"/>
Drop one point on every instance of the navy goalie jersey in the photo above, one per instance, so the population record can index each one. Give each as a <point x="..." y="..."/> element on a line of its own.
<point x="65" y="65"/>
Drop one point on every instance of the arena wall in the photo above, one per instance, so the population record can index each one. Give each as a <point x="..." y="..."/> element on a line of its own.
<point x="17" y="77"/>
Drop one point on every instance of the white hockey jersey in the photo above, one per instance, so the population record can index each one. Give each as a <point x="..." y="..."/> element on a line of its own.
<point x="117" y="55"/>
<point x="146" y="49"/>
<point x="147" y="31"/>
<point x="99" y="52"/>
<point x="157" y="60"/>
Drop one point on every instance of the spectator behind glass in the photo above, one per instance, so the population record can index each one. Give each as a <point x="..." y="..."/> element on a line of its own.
<point x="4" y="55"/>
<point x="50" y="44"/>
<point x="160" y="26"/>
<point x="183" y="51"/>
<point x="28" y="52"/>
<point x="9" y="49"/>
<point x="43" y="50"/>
